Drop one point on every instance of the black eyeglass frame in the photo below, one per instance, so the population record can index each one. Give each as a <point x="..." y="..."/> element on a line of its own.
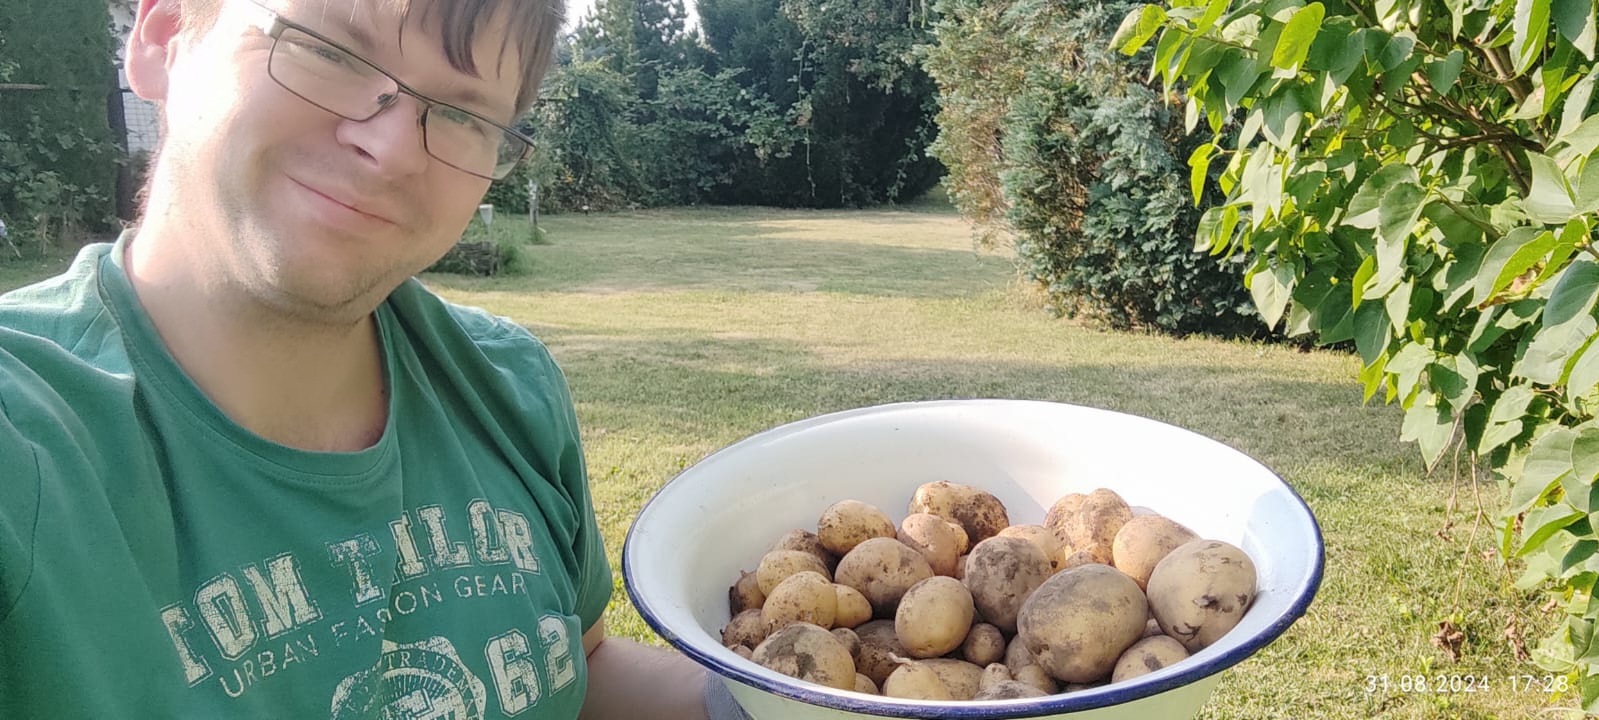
<point x="273" y="25"/>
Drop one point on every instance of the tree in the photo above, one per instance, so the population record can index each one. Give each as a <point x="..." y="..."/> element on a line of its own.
<point x="1420" y="178"/>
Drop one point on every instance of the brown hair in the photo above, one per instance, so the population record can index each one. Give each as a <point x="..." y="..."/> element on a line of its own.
<point x="532" y="24"/>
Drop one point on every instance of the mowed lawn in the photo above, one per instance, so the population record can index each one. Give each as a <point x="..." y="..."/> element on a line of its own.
<point x="682" y="331"/>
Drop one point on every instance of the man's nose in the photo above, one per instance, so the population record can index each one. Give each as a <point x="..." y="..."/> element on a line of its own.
<point x="391" y="141"/>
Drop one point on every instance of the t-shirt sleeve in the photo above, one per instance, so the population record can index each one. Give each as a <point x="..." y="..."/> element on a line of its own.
<point x="526" y="365"/>
<point x="19" y="508"/>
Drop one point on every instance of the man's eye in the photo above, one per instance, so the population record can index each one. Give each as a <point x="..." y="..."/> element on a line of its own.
<point x="461" y="118"/>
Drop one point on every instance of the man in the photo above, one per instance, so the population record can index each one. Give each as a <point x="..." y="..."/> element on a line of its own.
<point x="251" y="468"/>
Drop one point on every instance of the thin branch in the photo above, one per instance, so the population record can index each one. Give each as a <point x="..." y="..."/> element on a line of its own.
<point x="1487" y="229"/>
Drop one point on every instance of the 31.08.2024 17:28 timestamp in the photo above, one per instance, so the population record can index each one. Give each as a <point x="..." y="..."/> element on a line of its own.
<point x="1443" y="683"/>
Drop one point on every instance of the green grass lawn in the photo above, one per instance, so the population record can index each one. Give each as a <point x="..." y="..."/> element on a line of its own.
<point x="682" y="331"/>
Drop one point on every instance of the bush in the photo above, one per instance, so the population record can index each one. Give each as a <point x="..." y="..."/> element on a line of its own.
<point x="1084" y="171"/>
<point x="57" y="161"/>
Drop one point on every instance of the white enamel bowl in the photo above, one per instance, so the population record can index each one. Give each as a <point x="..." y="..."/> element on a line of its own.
<point x="718" y="517"/>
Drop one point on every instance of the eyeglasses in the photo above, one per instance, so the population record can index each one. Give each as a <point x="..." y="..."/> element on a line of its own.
<point x="333" y="78"/>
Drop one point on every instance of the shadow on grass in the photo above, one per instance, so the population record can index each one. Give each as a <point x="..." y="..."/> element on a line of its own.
<point x="705" y="392"/>
<point x="884" y="254"/>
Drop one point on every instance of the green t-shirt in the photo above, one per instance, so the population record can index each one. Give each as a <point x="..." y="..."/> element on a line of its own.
<point x="159" y="560"/>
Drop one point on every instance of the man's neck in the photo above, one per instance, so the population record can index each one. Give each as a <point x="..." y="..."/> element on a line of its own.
<point x="311" y="386"/>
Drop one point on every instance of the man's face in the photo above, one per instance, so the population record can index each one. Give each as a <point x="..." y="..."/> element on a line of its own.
<point x="304" y="211"/>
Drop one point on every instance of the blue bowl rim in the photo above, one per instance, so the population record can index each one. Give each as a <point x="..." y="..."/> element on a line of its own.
<point x="1079" y="701"/>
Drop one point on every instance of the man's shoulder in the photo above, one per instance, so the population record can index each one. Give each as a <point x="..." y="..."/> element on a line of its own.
<point x="458" y="329"/>
<point x="64" y="309"/>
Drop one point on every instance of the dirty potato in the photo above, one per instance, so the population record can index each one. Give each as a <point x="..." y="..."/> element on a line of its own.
<point x="745" y="594"/>
<point x="848" y="523"/>
<point x="934" y="617"/>
<point x="937" y="539"/>
<point x="1147" y="656"/>
<point x="983" y="645"/>
<point x="779" y="564"/>
<point x="746" y="629"/>
<point x="1081" y="620"/>
<point x="882" y="569"/>
<point x="805" y="596"/>
<point x="810" y="653"/>
<point x="853" y="608"/>
<point x="1001" y="573"/>
<point x="1095" y="524"/>
<point x="1143" y="541"/>
<point x="1200" y="591"/>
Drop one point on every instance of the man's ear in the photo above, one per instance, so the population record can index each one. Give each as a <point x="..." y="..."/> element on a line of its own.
<point x="151" y="47"/>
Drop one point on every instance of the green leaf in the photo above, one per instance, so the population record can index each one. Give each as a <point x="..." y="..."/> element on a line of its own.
<point x="1580" y="141"/>
<point x="1541" y="523"/>
<point x="1530" y="26"/>
<point x="1430" y="425"/>
<point x="1282" y="117"/>
<point x="1531" y="245"/>
<point x="1448" y="380"/>
<point x="1585" y="455"/>
<point x="1137" y="28"/>
<point x="1443" y="73"/>
<point x="1398" y="212"/>
<point x="1271" y="289"/>
<point x="1362" y="210"/>
<point x="1552" y="347"/>
<point x="1199" y="169"/>
<point x="1575" y="20"/>
<point x="1298" y="34"/>
<point x="1548" y="460"/>
<point x="1576" y="106"/>
<point x="1213" y="12"/>
<point x="1574" y="293"/>
<point x="1588" y="187"/>
<point x="1549" y="200"/>
<point x="1362" y="279"/>
<point x="1584" y="371"/>
<point x="1398" y="304"/>
<point x="1238" y="74"/>
<point x="1498" y="257"/>
<point x="1372" y="331"/>
<point x="1395" y="52"/>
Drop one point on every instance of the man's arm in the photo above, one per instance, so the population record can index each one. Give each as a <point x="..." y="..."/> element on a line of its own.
<point x="628" y="680"/>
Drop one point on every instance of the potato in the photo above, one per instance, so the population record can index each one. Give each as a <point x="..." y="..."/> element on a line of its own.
<point x="810" y="653"/>
<point x="853" y="609"/>
<point x="882" y="569"/>
<point x="1043" y="537"/>
<point x="960" y="567"/>
<point x="1152" y="627"/>
<point x="1081" y="620"/>
<point x="934" y="616"/>
<point x="851" y="641"/>
<point x="1095" y="524"/>
<point x="997" y="684"/>
<point x="745" y="594"/>
<point x="745" y="629"/>
<point x="805" y="596"/>
<point x="915" y="681"/>
<point x="960" y="677"/>
<point x="937" y="539"/>
<point x="1065" y="507"/>
<point x="1143" y="541"/>
<point x="879" y="646"/>
<point x="1001" y="573"/>
<point x="1036" y="676"/>
<point x="1075" y="559"/>
<point x="1017" y="655"/>
<point x="848" y="523"/>
<point x="1147" y="656"/>
<point x="744" y="652"/>
<point x="779" y="564"/>
<point x="984" y="645"/>
<point x="1200" y="591"/>
<point x="979" y="513"/>
<point x="806" y="541"/>
<point x="864" y="684"/>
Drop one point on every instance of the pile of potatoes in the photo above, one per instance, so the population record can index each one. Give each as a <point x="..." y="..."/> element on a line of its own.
<point x="955" y="603"/>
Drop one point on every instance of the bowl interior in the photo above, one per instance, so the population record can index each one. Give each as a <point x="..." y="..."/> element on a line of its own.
<point x="720" y="516"/>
